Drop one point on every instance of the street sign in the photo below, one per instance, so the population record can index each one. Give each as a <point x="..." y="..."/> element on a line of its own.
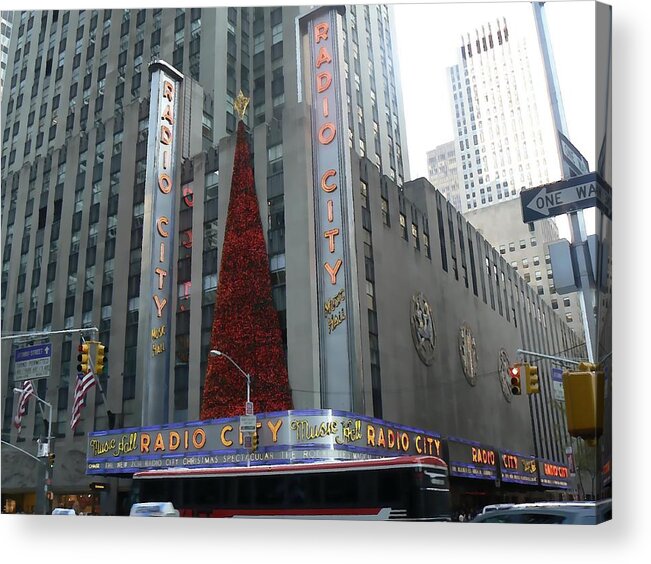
<point x="33" y="362"/>
<point x="564" y="196"/>
<point x="557" y="381"/>
<point x="247" y="423"/>
<point x="574" y="163"/>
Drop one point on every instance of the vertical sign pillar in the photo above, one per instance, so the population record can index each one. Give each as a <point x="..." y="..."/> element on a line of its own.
<point x="334" y="230"/>
<point x="157" y="282"/>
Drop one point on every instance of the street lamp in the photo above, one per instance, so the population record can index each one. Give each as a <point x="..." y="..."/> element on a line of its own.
<point x="49" y="438"/>
<point x="215" y="352"/>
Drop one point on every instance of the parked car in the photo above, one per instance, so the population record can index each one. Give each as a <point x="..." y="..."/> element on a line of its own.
<point x="154" y="509"/>
<point x="63" y="511"/>
<point x="568" y="513"/>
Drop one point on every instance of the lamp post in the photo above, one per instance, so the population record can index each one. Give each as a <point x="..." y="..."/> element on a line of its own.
<point x="49" y="438"/>
<point x="215" y="352"/>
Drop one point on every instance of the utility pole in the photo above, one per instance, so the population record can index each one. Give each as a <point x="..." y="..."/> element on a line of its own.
<point x="576" y="219"/>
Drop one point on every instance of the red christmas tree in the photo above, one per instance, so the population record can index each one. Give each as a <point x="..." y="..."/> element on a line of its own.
<point x="245" y="325"/>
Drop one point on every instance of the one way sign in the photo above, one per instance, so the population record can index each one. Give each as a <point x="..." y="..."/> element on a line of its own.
<point x="561" y="197"/>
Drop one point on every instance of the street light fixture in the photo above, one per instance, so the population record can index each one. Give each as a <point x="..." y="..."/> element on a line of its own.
<point x="215" y="352"/>
<point x="49" y="438"/>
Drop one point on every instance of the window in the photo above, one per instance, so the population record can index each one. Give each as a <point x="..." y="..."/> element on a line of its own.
<point x="523" y="244"/>
<point x="533" y="241"/>
<point x="502" y="249"/>
<point x="403" y="226"/>
<point x="536" y="261"/>
<point x="554" y="304"/>
<point x="541" y="290"/>
<point x="525" y="263"/>
<point x="538" y="275"/>
<point x="511" y="247"/>
<point x="566" y="302"/>
<point x="568" y="317"/>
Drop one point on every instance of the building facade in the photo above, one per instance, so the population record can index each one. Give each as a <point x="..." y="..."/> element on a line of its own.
<point x="505" y="140"/>
<point x="525" y="247"/>
<point x="442" y="172"/>
<point x="6" y="23"/>
<point x="432" y="295"/>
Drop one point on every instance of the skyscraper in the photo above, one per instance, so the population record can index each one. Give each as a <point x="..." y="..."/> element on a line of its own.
<point x="503" y="130"/>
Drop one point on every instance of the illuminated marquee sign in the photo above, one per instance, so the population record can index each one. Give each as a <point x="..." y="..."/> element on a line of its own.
<point x="471" y="460"/>
<point x="158" y="245"/>
<point x="553" y="474"/>
<point x="333" y="208"/>
<point x="518" y="468"/>
<point x="291" y="436"/>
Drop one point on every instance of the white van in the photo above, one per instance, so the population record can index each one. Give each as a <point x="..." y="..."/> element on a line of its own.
<point x="154" y="509"/>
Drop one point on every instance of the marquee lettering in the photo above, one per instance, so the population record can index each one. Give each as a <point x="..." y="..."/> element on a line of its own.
<point x="165" y="183"/>
<point x="323" y="57"/>
<point x="510" y="461"/>
<point x="161" y="276"/>
<point x="160" y="305"/>
<point x="165" y="135"/>
<point x="555" y="470"/>
<point x="323" y="81"/>
<point x="227" y="429"/>
<point x="330" y="235"/>
<point x="274" y="429"/>
<point x="167" y="115"/>
<point x="168" y="90"/>
<point x="324" y="185"/>
<point x="188" y="196"/>
<point x="333" y="270"/>
<point x="162" y="220"/>
<point x="172" y="442"/>
<point x="483" y="456"/>
<point x="327" y="133"/>
<point x="321" y="32"/>
<point x="187" y="239"/>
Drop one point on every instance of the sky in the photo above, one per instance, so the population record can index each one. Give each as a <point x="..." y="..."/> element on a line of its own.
<point x="427" y="41"/>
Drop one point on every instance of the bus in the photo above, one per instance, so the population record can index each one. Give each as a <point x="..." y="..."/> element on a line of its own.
<point x="414" y="488"/>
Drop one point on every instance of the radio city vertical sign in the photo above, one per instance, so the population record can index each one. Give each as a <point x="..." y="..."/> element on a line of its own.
<point x="158" y="242"/>
<point x="322" y="52"/>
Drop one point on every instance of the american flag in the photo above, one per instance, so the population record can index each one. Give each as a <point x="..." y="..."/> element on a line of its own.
<point x="26" y="392"/>
<point x="84" y="383"/>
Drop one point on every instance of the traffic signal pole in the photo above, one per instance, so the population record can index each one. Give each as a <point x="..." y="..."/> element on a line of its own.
<point x="522" y="352"/>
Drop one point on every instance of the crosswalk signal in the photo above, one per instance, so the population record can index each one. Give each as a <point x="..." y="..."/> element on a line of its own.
<point x="254" y="442"/>
<point x="531" y="379"/>
<point x="515" y="373"/>
<point x="83" y="358"/>
<point x="100" y="358"/>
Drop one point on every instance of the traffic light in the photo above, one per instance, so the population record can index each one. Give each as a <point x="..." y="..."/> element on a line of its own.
<point x="50" y="458"/>
<point x="515" y="372"/>
<point x="100" y="358"/>
<point x="531" y="379"/>
<point x="584" y="390"/>
<point x="254" y="442"/>
<point x="83" y="357"/>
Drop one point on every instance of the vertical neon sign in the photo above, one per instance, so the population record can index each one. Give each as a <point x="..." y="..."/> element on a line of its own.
<point x="158" y="245"/>
<point x="333" y="209"/>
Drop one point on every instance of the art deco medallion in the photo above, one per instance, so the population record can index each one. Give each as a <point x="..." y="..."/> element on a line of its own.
<point x="468" y="354"/>
<point x="422" y="328"/>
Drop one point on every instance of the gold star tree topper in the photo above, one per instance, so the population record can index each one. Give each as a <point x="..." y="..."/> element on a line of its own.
<point x="240" y="104"/>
